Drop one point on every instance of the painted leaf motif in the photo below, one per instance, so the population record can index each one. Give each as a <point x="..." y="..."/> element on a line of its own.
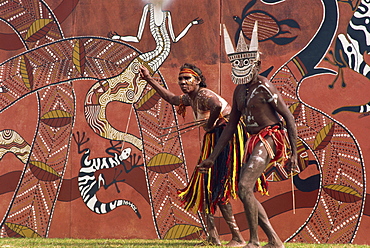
<point x="56" y="118"/>
<point x="342" y="193"/>
<point x="148" y="100"/>
<point x="43" y="171"/>
<point x="181" y="231"/>
<point x="164" y="163"/>
<point x="26" y="72"/>
<point x="79" y="56"/>
<point x="324" y="136"/>
<point x="15" y="230"/>
<point x="295" y="109"/>
<point x="38" y="29"/>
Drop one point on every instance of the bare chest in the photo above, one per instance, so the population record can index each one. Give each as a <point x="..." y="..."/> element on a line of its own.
<point x="254" y="103"/>
<point x="250" y="98"/>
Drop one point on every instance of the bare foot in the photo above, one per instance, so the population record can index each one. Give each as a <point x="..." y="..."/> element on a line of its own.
<point x="210" y="241"/>
<point x="269" y="245"/>
<point x="203" y="243"/>
<point x="207" y="243"/>
<point x="252" y="245"/>
<point x="235" y="243"/>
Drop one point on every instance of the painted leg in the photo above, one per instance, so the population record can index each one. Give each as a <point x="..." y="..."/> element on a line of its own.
<point x="213" y="237"/>
<point x="263" y="221"/>
<point x="249" y="174"/>
<point x="256" y="214"/>
<point x="237" y="239"/>
<point x="251" y="212"/>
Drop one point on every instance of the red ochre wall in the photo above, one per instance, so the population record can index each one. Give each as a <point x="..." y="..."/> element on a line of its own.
<point x="34" y="205"/>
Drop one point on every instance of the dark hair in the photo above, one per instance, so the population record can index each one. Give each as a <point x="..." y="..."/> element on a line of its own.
<point x="202" y="78"/>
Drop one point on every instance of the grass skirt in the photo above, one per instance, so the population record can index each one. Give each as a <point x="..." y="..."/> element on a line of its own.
<point x="206" y="190"/>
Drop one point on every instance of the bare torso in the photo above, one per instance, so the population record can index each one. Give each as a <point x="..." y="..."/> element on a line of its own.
<point x="204" y="102"/>
<point x="256" y="101"/>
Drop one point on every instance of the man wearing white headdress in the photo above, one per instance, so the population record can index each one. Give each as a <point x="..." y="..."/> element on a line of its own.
<point x="259" y="103"/>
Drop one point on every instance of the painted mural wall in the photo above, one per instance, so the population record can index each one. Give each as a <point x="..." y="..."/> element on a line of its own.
<point x="84" y="145"/>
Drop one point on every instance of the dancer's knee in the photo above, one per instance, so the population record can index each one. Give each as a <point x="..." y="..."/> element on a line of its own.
<point x="245" y="189"/>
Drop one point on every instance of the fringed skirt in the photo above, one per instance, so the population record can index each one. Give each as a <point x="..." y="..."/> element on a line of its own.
<point x="278" y="158"/>
<point x="206" y="190"/>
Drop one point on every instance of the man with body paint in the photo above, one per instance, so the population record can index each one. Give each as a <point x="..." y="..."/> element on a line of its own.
<point x="207" y="191"/>
<point x="258" y="103"/>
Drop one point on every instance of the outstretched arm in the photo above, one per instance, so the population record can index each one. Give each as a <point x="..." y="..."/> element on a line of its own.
<point x="225" y="137"/>
<point x="140" y="31"/>
<point x="163" y="92"/>
<point x="196" y="21"/>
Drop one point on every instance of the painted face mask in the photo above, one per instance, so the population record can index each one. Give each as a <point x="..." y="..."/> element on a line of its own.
<point x="244" y="60"/>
